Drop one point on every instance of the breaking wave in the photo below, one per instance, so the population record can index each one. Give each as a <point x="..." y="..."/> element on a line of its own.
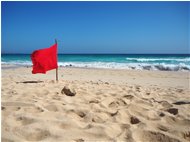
<point x="135" y="66"/>
<point x="159" y="59"/>
<point x="114" y="65"/>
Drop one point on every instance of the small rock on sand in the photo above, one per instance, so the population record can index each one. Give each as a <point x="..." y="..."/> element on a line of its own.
<point x="2" y="108"/>
<point x="173" y="111"/>
<point x="161" y="114"/>
<point x="68" y="92"/>
<point x="134" y="120"/>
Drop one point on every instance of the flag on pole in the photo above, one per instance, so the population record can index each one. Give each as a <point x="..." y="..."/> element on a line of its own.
<point x="44" y="59"/>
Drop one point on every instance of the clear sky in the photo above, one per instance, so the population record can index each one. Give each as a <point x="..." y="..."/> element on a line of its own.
<point x="96" y="27"/>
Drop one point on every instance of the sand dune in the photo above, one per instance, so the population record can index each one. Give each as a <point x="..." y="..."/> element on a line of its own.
<point x="109" y="105"/>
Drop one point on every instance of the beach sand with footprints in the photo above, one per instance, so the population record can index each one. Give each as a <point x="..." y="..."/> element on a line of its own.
<point x="105" y="105"/>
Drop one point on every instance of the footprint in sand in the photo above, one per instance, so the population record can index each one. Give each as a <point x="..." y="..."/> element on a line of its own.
<point x="56" y="97"/>
<point x="89" y="126"/>
<point x="179" y="90"/>
<point x="51" y="108"/>
<point x="13" y="92"/>
<point x="178" y="127"/>
<point x="33" y="109"/>
<point x="35" y="134"/>
<point x="97" y="119"/>
<point x="162" y="104"/>
<point x="42" y="92"/>
<point x="150" y="136"/>
<point x="25" y="120"/>
<point x="186" y="135"/>
<point x="65" y="126"/>
<point x="147" y="93"/>
<point x="100" y="117"/>
<point x="165" y="104"/>
<point x="80" y="113"/>
<point x="117" y="103"/>
<point x="138" y="88"/>
<point x="99" y="93"/>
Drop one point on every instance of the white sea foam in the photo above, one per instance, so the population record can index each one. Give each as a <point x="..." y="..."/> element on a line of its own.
<point x="136" y="66"/>
<point x="114" y="65"/>
<point x="187" y="59"/>
<point x="17" y="62"/>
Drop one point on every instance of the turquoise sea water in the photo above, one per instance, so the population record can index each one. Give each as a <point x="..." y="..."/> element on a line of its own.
<point x="162" y="62"/>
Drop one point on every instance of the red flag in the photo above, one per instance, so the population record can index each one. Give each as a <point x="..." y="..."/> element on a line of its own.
<point x="44" y="59"/>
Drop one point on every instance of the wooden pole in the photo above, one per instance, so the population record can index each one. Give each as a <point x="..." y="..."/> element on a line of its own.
<point x="57" y="67"/>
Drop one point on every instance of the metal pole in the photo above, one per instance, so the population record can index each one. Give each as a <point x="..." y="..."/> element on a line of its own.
<point x="57" y="67"/>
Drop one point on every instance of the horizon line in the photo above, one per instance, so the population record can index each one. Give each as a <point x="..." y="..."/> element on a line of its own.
<point x="110" y="53"/>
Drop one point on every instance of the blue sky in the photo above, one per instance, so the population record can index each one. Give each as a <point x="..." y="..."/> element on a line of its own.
<point x="96" y="27"/>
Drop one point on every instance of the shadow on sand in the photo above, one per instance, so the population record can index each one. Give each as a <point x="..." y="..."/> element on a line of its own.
<point x="181" y="103"/>
<point x="30" y="82"/>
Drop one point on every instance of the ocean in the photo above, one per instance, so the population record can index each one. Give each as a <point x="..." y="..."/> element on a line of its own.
<point x="162" y="62"/>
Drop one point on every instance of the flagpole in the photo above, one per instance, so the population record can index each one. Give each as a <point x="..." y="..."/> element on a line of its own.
<point x="57" y="67"/>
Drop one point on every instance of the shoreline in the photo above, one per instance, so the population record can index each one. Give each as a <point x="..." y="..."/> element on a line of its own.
<point x="13" y="66"/>
<point x="170" y="78"/>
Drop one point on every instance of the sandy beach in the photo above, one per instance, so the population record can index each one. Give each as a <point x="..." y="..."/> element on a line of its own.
<point x="109" y="105"/>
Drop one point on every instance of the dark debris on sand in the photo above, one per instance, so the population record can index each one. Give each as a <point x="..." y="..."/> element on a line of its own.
<point x="68" y="92"/>
<point x="173" y="111"/>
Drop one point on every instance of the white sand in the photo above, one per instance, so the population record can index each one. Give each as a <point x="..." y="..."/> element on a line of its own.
<point x="109" y="105"/>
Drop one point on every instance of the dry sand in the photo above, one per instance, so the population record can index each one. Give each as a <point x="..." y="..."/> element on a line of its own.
<point x="109" y="105"/>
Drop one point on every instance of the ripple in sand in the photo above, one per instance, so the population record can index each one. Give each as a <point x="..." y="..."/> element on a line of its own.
<point x="114" y="113"/>
<point x="97" y="119"/>
<point x="94" y="101"/>
<point x="128" y="97"/>
<point x="79" y="140"/>
<point x="163" y="128"/>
